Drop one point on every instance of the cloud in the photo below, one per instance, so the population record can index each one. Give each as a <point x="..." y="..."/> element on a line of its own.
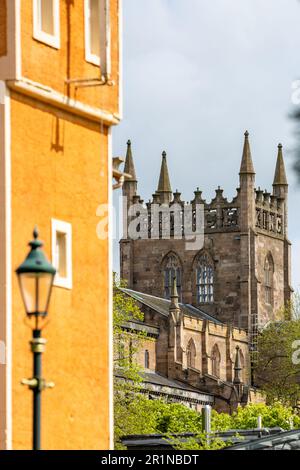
<point x="197" y="73"/>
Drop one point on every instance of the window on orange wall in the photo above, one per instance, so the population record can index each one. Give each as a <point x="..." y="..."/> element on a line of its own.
<point x="93" y="31"/>
<point x="62" y="253"/>
<point x="46" y="19"/>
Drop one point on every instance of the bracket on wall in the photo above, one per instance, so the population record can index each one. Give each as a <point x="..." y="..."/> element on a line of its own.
<point x="118" y="174"/>
<point x="90" y="82"/>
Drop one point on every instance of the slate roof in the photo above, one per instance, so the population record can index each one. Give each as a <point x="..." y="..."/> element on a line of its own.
<point x="162" y="306"/>
<point x="158" y="379"/>
<point x="152" y="379"/>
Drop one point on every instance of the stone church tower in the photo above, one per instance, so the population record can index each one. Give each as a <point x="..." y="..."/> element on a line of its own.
<point x="241" y="274"/>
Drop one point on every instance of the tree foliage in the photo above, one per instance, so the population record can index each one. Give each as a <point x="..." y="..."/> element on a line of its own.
<point x="145" y="416"/>
<point x="136" y="414"/>
<point x="293" y="307"/>
<point x="277" y="368"/>
<point x="127" y="342"/>
<point x="246" y="417"/>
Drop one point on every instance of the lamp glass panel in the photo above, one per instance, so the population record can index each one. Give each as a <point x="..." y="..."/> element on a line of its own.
<point x="36" y="290"/>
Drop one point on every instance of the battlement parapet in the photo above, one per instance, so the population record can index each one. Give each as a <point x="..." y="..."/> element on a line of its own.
<point x="269" y="213"/>
<point x="218" y="215"/>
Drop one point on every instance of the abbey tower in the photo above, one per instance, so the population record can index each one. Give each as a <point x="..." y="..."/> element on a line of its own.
<point x="241" y="274"/>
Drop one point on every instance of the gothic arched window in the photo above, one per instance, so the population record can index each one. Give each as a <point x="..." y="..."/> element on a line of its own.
<point x="147" y="359"/>
<point x="242" y="361"/>
<point x="191" y="354"/>
<point x="204" y="279"/>
<point x="268" y="279"/>
<point x="121" y="348"/>
<point x="215" y="361"/>
<point x="172" y="268"/>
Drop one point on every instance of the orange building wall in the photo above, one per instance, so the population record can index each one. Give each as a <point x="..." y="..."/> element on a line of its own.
<point x="59" y="169"/>
<point x="44" y="64"/>
<point x="3" y="44"/>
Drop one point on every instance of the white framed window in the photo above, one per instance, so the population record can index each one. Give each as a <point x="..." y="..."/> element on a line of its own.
<point x="93" y="30"/>
<point x="97" y="33"/>
<point x="46" y="22"/>
<point x="62" y="253"/>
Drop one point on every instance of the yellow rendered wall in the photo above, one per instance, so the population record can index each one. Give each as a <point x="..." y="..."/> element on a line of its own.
<point x="3" y="34"/>
<point x="59" y="170"/>
<point x="44" y="64"/>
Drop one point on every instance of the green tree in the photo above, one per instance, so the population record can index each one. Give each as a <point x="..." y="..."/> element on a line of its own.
<point x="127" y="340"/>
<point x="127" y="379"/>
<point x="136" y="414"/>
<point x="277" y="368"/>
<point x="145" y="416"/>
<point x="293" y="308"/>
<point x="272" y="416"/>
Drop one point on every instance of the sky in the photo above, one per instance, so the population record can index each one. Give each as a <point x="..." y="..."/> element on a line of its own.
<point x="196" y="75"/>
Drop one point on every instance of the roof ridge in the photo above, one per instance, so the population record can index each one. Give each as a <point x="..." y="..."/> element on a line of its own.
<point x="189" y="309"/>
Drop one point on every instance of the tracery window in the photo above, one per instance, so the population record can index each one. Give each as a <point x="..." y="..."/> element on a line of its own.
<point x="215" y="361"/>
<point x="191" y="354"/>
<point x="204" y="279"/>
<point x="147" y="359"/>
<point x="268" y="279"/>
<point x="242" y="361"/>
<point x="172" y="268"/>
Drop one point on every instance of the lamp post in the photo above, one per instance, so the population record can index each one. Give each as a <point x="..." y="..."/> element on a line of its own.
<point x="36" y="277"/>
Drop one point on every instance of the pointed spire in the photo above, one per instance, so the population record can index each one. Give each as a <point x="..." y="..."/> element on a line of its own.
<point x="237" y="367"/>
<point x="164" y="185"/>
<point x="247" y="164"/>
<point x="174" y="297"/>
<point x="280" y="175"/>
<point x="129" y="165"/>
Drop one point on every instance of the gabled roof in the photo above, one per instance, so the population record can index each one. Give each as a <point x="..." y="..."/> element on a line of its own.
<point x="153" y="380"/>
<point x="162" y="306"/>
<point x="158" y="379"/>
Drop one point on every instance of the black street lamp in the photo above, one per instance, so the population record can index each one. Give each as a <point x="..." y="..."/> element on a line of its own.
<point x="36" y="277"/>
